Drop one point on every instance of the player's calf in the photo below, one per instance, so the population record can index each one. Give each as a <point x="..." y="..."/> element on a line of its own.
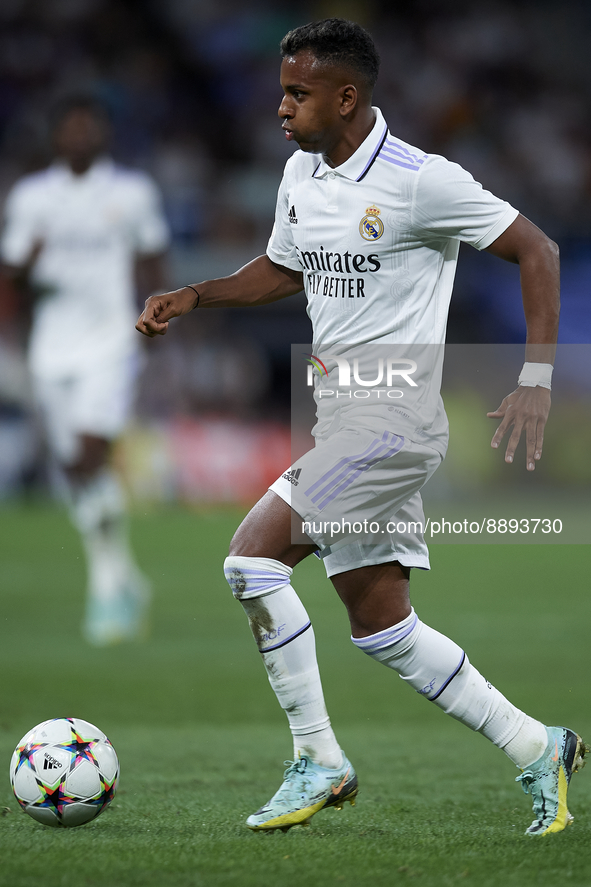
<point x="440" y="671"/>
<point x="284" y="635"/>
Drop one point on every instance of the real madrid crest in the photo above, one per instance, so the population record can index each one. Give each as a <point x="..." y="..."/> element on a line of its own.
<point x="371" y="226"/>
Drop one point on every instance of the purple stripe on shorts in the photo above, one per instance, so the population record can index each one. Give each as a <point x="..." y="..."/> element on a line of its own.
<point x="341" y="469"/>
<point x="349" y="469"/>
<point x="345" y="461"/>
<point x="365" y="460"/>
<point x="391" y="451"/>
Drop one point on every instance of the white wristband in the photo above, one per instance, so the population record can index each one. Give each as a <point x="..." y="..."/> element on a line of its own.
<point x="534" y="374"/>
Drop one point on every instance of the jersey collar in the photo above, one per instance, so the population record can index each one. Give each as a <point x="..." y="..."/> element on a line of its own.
<point x="359" y="164"/>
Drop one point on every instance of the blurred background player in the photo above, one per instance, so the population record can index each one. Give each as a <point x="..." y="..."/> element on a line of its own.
<point x="76" y="235"/>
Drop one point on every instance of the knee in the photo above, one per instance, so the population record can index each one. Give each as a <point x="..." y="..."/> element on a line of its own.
<point x="250" y="577"/>
<point x="365" y="623"/>
<point x="236" y="573"/>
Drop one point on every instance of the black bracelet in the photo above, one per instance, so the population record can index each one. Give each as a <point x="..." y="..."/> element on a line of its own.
<point x="188" y="285"/>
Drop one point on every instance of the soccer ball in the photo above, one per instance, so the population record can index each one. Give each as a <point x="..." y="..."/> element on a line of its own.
<point x="64" y="772"/>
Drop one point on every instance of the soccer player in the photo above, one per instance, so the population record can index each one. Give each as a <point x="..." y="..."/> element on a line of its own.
<point x="370" y="227"/>
<point x="73" y="234"/>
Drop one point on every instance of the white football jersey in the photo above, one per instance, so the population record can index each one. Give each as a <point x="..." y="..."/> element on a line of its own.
<point x="91" y="227"/>
<point x="377" y="240"/>
<point x="378" y="237"/>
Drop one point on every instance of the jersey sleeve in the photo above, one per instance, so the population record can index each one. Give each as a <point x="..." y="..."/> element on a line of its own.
<point x="281" y="248"/>
<point x="23" y="225"/>
<point x="449" y="203"/>
<point x="151" y="233"/>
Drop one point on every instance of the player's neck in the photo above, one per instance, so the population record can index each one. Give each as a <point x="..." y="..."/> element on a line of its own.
<point x="79" y="166"/>
<point x="355" y="133"/>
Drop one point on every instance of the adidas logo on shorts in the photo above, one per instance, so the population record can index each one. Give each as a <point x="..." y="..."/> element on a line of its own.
<point x="293" y="476"/>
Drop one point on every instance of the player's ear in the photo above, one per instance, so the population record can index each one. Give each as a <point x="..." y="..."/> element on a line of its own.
<point x="348" y="97"/>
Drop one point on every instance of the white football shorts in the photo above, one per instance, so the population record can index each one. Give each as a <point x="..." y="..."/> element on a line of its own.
<point x="357" y="494"/>
<point x="95" y="400"/>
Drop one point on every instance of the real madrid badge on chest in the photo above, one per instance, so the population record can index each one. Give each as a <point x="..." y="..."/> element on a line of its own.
<point x="371" y="226"/>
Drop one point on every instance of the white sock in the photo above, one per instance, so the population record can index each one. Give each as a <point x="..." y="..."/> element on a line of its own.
<point x="97" y="509"/>
<point x="285" y="637"/>
<point x="440" y="671"/>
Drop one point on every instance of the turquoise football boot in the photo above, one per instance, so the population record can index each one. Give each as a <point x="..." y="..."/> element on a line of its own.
<point x="306" y="789"/>
<point x="121" y="619"/>
<point x="547" y="780"/>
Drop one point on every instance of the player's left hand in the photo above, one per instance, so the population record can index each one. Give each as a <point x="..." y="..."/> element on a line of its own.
<point x="525" y="409"/>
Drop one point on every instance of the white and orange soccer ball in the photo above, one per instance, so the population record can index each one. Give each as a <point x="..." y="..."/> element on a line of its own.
<point x="64" y="772"/>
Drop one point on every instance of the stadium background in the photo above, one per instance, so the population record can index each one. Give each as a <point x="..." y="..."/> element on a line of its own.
<point x="502" y="87"/>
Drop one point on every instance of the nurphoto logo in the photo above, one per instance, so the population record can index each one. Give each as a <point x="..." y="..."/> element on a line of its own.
<point x="381" y="376"/>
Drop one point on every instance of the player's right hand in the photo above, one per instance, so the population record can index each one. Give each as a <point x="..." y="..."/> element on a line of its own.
<point x="158" y="310"/>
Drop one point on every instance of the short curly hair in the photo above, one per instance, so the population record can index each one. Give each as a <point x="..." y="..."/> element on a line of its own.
<point x="337" y="42"/>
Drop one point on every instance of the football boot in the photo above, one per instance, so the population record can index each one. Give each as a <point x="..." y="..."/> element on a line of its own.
<point x="307" y="788"/>
<point x="548" y="778"/>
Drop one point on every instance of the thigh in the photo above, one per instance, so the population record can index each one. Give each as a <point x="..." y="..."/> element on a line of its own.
<point x="266" y="531"/>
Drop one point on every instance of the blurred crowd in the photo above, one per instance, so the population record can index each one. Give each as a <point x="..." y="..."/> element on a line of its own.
<point x="192" y="89"/>
<point x="192" y="85"/>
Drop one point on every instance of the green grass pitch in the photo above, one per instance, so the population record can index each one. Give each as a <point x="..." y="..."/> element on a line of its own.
<point x="201" y="740"/>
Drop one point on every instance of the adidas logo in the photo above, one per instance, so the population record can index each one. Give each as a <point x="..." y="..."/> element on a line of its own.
<point x="293" y="476"/>
<point x="292" y="216"/>
<point x="50" y="763"/>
